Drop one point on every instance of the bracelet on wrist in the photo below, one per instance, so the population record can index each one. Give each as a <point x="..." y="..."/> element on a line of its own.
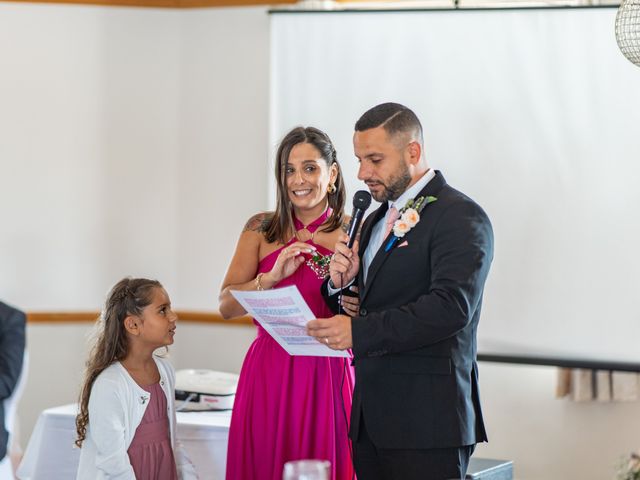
<point x="257" y="281"/>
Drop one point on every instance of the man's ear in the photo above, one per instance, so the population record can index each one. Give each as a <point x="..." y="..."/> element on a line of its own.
<point x="414" y="152"/>
<point x="132" y="324"/>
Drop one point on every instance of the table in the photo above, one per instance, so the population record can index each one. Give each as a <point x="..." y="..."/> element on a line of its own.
<point x="489" y="469"/>
<point x="52" y="455"/>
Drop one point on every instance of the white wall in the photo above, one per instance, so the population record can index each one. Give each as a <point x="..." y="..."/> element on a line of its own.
<point x="223" y="142"/>
<point x="132" y="142"/>
<point x="549" y="438"/>
<point x="88" y="151"/>
<point x="135" y="141"/>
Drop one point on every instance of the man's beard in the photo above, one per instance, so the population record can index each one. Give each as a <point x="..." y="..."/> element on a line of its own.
<point x="396" y="186"/>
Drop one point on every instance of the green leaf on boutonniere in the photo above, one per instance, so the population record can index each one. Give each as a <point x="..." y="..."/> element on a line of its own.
<point x="422" y="202"/>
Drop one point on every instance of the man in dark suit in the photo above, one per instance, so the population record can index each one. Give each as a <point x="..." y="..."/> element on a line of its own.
<point x="416" y="408"/>
<point x="12" y="341"/>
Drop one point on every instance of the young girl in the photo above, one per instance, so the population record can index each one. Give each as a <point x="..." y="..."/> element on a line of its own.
<point x="127" y="422"/>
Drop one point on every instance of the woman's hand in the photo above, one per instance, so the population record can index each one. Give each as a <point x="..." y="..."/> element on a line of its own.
<point x="288" y="261"/>
<point x="351" y="305"/>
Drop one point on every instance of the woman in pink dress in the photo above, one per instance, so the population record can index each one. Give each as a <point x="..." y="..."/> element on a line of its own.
<point x="291" y="407"/>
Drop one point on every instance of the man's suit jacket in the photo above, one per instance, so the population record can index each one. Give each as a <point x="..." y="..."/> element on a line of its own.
<point x="414" y="341"/>
<point x="12" y="341"/>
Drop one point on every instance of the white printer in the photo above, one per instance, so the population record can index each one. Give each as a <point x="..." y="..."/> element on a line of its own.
<point x="198" y="390"/>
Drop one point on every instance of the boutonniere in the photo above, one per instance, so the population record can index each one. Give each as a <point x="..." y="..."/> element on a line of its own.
<point x="409" y="218"/>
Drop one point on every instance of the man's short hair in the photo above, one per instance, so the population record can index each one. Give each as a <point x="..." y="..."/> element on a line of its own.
<point x="393" y="117"/>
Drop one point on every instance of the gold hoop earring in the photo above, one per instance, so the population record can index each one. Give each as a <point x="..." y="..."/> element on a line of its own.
<point x="331" y="189"/>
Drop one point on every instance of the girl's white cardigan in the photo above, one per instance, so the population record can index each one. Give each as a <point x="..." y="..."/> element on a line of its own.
<point x="116" y="407"/>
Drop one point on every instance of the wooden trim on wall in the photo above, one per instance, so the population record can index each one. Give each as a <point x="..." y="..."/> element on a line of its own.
<point x="88" y="317"/>
<point x="230" y="3"/>
<point x="211" y="317"/>
<point x="164" y="3"/>
<point x="62" y="317"/>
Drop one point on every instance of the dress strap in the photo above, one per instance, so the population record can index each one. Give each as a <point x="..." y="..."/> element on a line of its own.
<point x="313" y="226"/>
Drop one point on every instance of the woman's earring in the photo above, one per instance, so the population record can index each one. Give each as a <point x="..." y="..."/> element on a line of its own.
<point x="331" y="189"/>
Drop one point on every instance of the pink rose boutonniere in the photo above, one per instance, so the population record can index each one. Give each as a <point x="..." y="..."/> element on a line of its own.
<point x="409" y="218"/>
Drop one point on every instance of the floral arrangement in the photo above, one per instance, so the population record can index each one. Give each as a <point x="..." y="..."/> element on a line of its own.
<point x="409" y="218"/>
<point x="629" y="468"/>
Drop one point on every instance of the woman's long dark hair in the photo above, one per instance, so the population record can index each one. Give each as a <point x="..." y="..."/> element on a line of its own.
<point x="127" y="297"/>
<point x="280" y="225"/>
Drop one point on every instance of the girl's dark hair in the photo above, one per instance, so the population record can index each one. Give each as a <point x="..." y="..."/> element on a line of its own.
<point x="280" y="225"/>
<point x="127" y="297"/>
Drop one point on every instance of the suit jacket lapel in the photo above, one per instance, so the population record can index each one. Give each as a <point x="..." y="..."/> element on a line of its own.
<point x="376" y="263"/>
<point x="430" y="189"/>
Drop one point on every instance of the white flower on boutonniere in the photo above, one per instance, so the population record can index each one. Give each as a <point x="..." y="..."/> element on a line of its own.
<point x="411" y="217"/>
<point x="400" y="228"/>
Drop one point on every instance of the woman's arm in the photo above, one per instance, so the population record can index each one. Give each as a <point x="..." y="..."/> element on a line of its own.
<point x="241" y="274"/>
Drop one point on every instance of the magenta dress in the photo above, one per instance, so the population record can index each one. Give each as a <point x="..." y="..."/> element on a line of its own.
<point x="150" y="452"/>
<point x="291" y="407"/>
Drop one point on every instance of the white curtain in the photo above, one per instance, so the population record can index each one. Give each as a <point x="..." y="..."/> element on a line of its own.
<point x="533" y="113"/>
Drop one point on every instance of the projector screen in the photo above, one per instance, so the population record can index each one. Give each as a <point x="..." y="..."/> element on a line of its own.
<point x="535" y="114"/>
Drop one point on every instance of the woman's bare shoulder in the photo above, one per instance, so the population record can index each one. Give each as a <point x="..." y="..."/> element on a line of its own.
<point x="258" y="223"/>
<point x="330" y="238"/>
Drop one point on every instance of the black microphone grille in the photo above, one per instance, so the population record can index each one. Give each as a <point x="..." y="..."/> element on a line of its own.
<point x="362" y="199"/>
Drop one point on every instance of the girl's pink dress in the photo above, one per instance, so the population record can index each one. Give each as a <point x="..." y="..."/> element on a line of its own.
<point x="150" y="452"/>
<point x="291" y="407"/>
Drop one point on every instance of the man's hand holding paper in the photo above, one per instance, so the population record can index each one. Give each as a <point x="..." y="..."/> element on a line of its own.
<point x="335" y="332"/>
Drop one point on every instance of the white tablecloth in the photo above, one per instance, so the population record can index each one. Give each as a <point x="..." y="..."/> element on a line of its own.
<point x="51" y="454"/>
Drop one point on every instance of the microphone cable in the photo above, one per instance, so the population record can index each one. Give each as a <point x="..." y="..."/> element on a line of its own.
<point x="345" y="364"/>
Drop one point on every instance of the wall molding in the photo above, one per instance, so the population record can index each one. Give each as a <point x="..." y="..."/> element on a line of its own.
<point x="188" y="316"/>
<point x="165" y="3"/>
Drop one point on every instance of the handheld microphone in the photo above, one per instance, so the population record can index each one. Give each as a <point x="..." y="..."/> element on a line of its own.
<point x="361" y="201"/>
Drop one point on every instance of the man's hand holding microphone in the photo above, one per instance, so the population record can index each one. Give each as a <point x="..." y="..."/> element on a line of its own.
<point x="335" y="331"/>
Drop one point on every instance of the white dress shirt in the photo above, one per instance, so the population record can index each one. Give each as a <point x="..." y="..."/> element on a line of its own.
<point x="377" y="233"/>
